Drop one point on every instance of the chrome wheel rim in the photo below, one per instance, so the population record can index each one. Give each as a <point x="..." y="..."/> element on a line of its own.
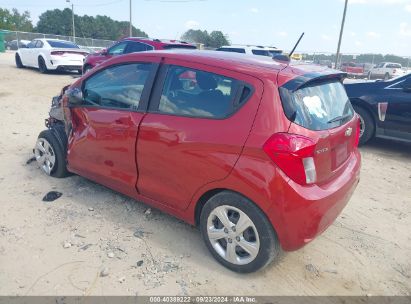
<point x="233" y="235"/>
<point x="362" y="126"/>
<point x="45" y="156"/>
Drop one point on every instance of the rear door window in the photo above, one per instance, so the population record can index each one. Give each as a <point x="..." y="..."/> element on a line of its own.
<point x="232" y="50"/>
<point x="261" y="52"/>
<point x="117" y="49"/>
<point x="134" y="47"/>
<point x="190" y="92"/>
<point x="318" y="106"/>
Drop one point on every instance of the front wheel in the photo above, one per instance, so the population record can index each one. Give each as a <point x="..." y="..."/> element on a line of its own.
<point x="50" y="155"/>
<point x="237" y="233"/>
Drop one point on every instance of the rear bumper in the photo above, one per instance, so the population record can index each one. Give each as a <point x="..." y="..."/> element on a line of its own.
<point x="64" y="64"/>
<point x="309" y="210"/>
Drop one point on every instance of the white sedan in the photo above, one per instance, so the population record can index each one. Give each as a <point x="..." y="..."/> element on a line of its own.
<point x="51" y="54"/>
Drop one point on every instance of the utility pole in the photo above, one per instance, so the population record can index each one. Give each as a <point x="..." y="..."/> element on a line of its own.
<point x="131" y="24"/>
<point x="72" y="18"/>
<point x="341" y="34"/>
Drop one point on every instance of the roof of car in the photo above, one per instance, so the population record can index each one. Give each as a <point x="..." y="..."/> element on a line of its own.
<point x="249" y="64"/>
<point x="246" y="47"/>
<point x="155" y="40"/>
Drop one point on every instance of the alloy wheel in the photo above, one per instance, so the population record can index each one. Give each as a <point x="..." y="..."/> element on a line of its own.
<point x="233" y="235"/>
<point x="362" y="126"/>
<point x="45" y="156"/>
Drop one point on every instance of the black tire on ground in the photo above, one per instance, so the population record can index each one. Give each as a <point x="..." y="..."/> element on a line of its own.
<point x="19" y="64"/>
<point x="367" y="124"/>
<point x="80" y="72"/>
<point x="60" y="169"/>
<point x="269" y="246"/>
<point x="42" y="66"/>
<point x="86" y="68"/>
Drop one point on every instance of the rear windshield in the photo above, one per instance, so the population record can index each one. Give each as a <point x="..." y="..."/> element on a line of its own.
<point x="318" y="106"/>
<point x="179" y="46"/>
<point x="62" y="44"/>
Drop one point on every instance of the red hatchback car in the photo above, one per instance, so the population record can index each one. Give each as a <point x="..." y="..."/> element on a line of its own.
<point x="259" y="154"/>
<point x="132" y="45"/>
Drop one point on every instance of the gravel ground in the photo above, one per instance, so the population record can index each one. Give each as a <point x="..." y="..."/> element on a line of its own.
<point x="94" y="241"/>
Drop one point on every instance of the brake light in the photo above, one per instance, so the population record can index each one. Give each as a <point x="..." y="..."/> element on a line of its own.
<point x="358" y="132"/>
<point x="57" y="53"/>
<point x="294" y="155"/>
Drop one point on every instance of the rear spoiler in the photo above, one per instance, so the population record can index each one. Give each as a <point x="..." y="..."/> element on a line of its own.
<point x="69" y="50"/>
<point x="307" y="79"/>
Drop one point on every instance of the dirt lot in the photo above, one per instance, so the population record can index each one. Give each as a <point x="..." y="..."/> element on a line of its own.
<point x="366" y="251"/>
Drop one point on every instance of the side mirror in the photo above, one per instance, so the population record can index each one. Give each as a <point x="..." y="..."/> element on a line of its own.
<point x="406" y="85"/>
<point x="75" y="96"/>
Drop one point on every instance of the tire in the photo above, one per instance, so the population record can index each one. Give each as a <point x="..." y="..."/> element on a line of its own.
<point x="87" y="68"/>
<point x="19" y="64"/>
<point x="50" y="154"/>
<point x="367" y="125"/>
<point x="259" y="236"/>
<point x="386" y="76"/>
<point x="42" y="66"/>
<point x="80" y="72"/>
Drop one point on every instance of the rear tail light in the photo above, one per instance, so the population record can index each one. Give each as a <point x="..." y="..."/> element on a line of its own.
<point x="57" y="53"/>
<point x="294" y="155"/>
<point x="358" y="132"/>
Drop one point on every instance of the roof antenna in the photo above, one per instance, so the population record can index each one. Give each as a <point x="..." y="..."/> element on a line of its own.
<point x="287" y="58"/>
<point x="295" y="46"/>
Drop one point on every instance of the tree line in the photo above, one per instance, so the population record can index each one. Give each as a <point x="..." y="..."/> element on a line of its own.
<point x="59" y="22"/>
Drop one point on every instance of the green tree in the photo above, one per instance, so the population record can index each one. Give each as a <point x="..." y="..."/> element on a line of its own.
<point x="59" y="22"/>
<point x="15" y="21"/>
<point x="214" y="40"/>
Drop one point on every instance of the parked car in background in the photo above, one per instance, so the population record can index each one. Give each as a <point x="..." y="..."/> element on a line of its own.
<point x="16" y="44"/>
<point x="274" y="51"/>
<point x="258" y="153"/>
<point x="353" y="69"/>
<point x="386" y="70"/>
<point x="247" y="49"/>
<point x="51" y="54"/>
<point x="384" y="108"/>
<point x="133" y="45"/>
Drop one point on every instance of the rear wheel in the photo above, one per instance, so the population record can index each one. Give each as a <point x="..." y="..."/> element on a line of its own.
<point x="237" y="233"/>
<point x="19" y="64"/>
<point x="42" y="65"/>
<point x="50" y="155"/>
<point x="367" y="126"/>
<point x="386" y="76"/>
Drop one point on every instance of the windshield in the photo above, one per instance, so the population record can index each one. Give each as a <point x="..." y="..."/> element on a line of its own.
<point x="318" y="106"/>
<point x="62" y="44"/>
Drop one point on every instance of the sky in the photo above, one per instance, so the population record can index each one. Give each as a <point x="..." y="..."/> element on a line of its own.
<point x="372" y="26"/>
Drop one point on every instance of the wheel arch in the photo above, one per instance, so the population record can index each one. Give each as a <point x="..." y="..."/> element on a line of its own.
<point x="358" y="102"/>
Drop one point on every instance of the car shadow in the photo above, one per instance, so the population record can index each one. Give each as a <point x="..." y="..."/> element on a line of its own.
<point x="388" y="147"/>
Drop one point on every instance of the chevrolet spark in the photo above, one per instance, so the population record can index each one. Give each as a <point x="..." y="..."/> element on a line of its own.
<point x="260" y="154"/>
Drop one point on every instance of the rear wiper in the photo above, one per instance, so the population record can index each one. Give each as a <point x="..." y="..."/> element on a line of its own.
<point x="339" y="118"/>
